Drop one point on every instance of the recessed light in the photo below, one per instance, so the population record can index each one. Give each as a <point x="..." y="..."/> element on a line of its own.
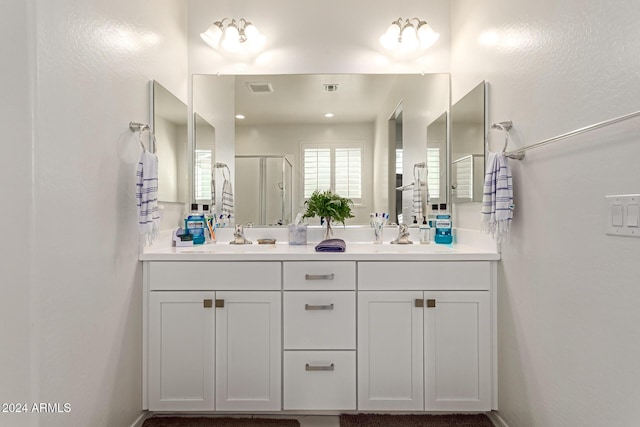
<point x="328" y="115"/>
<point x="240" y="116"/>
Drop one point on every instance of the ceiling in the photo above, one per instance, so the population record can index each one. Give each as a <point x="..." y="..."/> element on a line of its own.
<point x="303" y="98"/>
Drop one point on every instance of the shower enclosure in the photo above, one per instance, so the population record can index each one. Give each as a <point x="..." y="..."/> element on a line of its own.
<point x="263" y="193"/>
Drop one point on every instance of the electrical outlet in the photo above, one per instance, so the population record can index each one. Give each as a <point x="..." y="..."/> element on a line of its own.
<point x="623" y="215"/>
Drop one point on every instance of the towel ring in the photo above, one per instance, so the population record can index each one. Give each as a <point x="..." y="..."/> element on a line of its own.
<point x="141" y="127"/>
<point x="505" y="127"/>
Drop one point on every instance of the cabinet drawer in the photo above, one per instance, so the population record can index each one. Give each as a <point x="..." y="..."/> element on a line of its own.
<point x="320" y="380"/>
<point x="424" y="275"/>
<point x="214" y="275"/>
<point x="320" y="275"/>
<point x="320" y="320"/>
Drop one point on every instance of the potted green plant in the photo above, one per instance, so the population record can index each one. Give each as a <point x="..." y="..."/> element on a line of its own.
<point x="329" y="206"/>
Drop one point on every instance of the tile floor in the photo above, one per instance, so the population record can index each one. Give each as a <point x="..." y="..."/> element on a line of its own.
<point x="318" y="420"/>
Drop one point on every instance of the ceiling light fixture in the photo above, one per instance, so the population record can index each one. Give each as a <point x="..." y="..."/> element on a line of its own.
<point x="233" y="36"/>
<point x="240" y="116"/>
<point x="328" y="115"/>
<point x="408" y="35"/>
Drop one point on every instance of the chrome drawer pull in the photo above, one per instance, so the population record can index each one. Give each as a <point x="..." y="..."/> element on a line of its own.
<point x="318" y="368"/>
<point x="318" y="276"/>
<point x="318" y="307"/>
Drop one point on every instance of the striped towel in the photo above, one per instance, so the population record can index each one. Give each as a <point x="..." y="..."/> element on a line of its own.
<point x="497" y="198"/>
<point x="227" y="198"/>
<point x="147" y="197"/>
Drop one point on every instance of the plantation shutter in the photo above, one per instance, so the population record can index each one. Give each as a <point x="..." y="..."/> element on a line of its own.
<point x="203" y="174"/>
<point x="317" y="170"/>
<point x="433" y="172"/>
<point x="348" y="172"/>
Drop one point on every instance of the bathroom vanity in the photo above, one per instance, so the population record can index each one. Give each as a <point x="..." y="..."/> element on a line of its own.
<point x="283" y="328"/>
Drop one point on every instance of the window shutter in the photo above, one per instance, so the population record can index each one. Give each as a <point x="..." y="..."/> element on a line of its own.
<point x="203" y="174"/>
<point x="433" y="169"/>
<point x="348" y="172"/>
<point x="317" y="170"/>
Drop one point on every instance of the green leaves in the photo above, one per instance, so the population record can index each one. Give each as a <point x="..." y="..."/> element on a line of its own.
<point x="328" y="205"/>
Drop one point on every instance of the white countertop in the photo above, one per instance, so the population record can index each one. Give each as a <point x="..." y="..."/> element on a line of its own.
<point x="286" y="252"/>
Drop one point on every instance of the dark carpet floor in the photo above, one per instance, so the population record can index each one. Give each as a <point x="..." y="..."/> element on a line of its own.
<point x="376" y="420"/>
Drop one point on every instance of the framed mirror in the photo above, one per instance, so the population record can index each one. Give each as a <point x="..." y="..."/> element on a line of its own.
<point x="169" y="123"/>
<point x="336" y="131"/>
<point x="468" y="129"/>
<point x="437" y="159"/>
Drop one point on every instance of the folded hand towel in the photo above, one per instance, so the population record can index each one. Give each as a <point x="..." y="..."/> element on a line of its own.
<point x="497" y="198"/>
<point x="331" y="245"/>
<point x="147" y="197"/>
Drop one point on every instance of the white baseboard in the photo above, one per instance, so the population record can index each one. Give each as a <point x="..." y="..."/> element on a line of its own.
<point x="141" y="419"/>
<point x="496" y="419"/>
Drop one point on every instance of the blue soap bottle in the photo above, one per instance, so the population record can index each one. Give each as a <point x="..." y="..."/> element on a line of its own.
<point x="195" y="224"/>
<point x="443" y="226"/>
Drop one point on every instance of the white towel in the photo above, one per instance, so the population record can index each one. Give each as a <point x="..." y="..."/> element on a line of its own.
<point x="227" y="198"/>
<point x="497" y="198"/>
<point x="147" y="197"/>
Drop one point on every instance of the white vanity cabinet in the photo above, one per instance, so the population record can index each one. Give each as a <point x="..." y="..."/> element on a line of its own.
<point x="287" y="329"/>
<point x="218" y="349"/>
<point x="319" y="335"/>
<point x="181" y="344"/>
<point x="427" y="345"/>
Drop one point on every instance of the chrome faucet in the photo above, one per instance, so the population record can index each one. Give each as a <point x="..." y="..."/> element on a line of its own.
<point x="403" y="236"/>
<point x="239" y="238"/>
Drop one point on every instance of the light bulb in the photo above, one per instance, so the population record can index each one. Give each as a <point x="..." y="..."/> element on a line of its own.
<point x="389" y="40"/>
<point x="255" y="40"/>
<point x="409" y="39"/>
<point x="231" y="38"/>
<point x="427" y="36"/>
<point x="212" y="35"/>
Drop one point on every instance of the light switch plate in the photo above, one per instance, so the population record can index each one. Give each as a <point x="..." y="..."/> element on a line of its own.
<point x="621" y="217"/>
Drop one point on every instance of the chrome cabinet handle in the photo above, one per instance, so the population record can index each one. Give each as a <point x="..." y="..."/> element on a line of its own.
<point x="318" y="307"/>
<point x="318" y="368"/>
<point x="318" y="276"/>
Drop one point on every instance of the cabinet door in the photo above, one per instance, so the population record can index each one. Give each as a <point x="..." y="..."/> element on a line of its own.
<point x="457" y="351"/>
<point x="181" y="351"/>
<point x="390" y="346"/>
<point x="248" y="351"/>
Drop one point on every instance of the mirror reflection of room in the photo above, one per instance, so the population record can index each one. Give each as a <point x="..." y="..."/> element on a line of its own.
<point x="467" y="146"/>
<point x="169" y="124"/>
<point x="333" y="130"/>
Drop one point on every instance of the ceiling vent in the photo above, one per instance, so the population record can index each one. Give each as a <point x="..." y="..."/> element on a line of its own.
<point x="259" y="87"/>
<point x="331" y="87"/>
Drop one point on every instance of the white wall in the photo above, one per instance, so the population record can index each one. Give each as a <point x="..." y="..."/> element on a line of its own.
<point x="568" y="294"/>
<point x="16" y="215"/>
<point x="68" y="175"/>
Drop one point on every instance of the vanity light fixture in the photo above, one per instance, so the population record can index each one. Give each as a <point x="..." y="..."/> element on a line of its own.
<point x="240" y="116"/>
<point x="328" y="115"/>
<point x="408" y="35"/>
<point x="233" y="36"/>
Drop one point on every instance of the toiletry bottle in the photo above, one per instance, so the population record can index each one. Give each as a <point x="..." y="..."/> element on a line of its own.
<point x="195" y="225"/>
<point x="443" y="226"/>
<point x="425" y="231"/>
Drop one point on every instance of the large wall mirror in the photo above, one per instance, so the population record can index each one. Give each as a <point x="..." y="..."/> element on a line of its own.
<point x="468" y="129"/>
<point x="283" y="136"/>
<point x="169" y="123"/>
